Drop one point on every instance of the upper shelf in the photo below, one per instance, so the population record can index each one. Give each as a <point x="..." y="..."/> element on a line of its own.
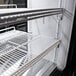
<point x="16" y="16"/>
<point x="20" y="15"/>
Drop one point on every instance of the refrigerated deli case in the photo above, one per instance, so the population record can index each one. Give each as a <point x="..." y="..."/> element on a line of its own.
<point x="22" y="53"/>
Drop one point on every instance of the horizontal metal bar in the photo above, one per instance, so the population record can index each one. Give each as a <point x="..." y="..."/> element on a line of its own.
<point x="33" y="13"/>
<point x="28" y="11"/>
<point x="29" y="15"/>
<point x="27" y="19"/>
<point x="31" y="18"/>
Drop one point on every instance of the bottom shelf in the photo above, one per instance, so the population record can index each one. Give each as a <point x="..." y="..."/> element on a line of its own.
<point x="38" y="48"/>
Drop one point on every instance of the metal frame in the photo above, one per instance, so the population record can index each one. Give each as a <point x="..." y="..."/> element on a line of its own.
<point x="30" y="15"/>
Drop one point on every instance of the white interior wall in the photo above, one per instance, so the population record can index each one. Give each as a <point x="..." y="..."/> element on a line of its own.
<point x="65" y="34"/>
<point x="44" y="26"/>
<point x="43" y="3"/>
<point x="48" y="27"/>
